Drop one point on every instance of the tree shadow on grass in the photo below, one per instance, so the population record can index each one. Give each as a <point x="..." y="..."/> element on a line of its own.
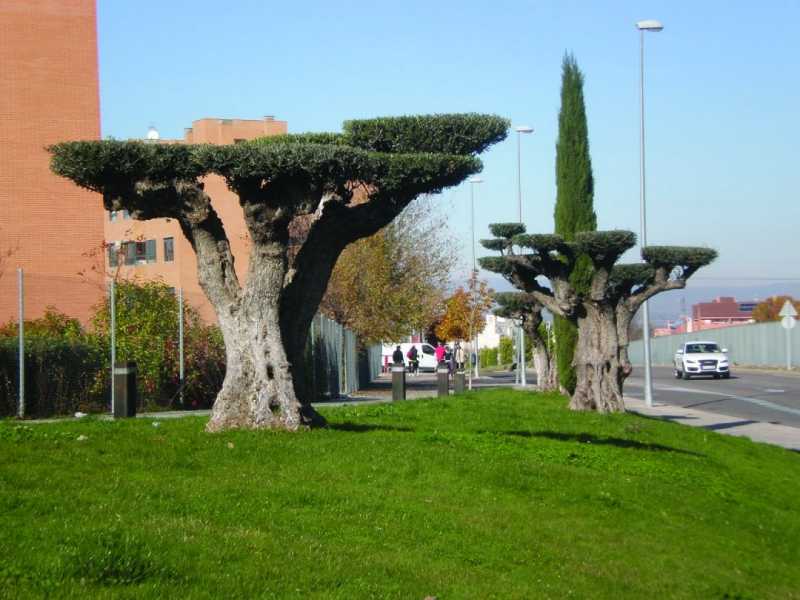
<point x="588" y="438"/>
<point x="366" y="427"/>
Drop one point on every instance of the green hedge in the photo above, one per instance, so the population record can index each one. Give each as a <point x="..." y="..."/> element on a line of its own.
<point x="60" y="377"/>
<point x="488" y="357"/>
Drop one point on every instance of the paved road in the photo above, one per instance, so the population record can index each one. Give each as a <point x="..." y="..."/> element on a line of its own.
<point x="749" y="395"/>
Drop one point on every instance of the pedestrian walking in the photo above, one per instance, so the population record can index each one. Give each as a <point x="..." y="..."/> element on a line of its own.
<point x="439" y="353"/>
<point x="413" y="360"/>
<point x="460" y="357"/>
<point x="397" y="356"/>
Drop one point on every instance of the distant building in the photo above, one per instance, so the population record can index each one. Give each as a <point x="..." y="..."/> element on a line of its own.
<point x="496" y="327"/>
<point x="723" y="311"/>
<point x="156" y="249"/>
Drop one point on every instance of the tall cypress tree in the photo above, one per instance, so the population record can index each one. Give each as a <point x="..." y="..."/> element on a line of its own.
<point x="574" y="210"/>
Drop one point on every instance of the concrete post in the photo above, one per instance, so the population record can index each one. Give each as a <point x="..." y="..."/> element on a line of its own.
<point x="398" y="382"/>
<point x="442" y="381"/>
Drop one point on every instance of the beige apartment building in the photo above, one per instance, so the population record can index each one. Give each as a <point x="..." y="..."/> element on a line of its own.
<point x="156" y="249"/>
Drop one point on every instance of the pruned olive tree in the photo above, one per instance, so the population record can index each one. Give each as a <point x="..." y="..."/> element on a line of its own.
<point x="524" y="307"/>
<point x="603" y="314"/>
<point x="343" y="186"/>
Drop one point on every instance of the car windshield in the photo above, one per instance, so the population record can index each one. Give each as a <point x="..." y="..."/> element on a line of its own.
<point x="701" y="348"/>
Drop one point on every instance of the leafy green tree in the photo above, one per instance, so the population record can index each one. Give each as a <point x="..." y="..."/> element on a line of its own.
<point x="574" y="211"/>
<point x="390" y="284"/>
<point x="602" y="314"/>
<point x="146" y="332"/>
<point x="343" y="186"/>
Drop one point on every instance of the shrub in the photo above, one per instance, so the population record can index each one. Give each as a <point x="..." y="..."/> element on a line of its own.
<point x="60" y="377"/>
<point x="488" y="357"/>
<point x="506" y="351"/>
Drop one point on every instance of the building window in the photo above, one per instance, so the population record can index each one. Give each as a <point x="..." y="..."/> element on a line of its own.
<point x="126" y="214"/>
<point x="129" y="252"/>
<point x="113" y="251"/>
<point x="139" y="253"/>
<point x="112" y="215"/>
<point x="169" y="249"/>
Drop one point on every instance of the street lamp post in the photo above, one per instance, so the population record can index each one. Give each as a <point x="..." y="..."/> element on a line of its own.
<point x="472" y="182"/>
<point x="643" y="26"/>
<point x="521" y="346"/>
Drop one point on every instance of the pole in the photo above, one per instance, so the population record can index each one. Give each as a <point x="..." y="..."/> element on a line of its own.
<point x="180" y="342"/>
<point x="648" y="383"/>
<point x="472" y="221"/>
<point x="523" y="376"/>
<point x="474" y="271"/>
<point x="519" y="175"/>
<point x="112" y="301"/>
<point x="21" y="340"/>
<point x="789" y="348"/>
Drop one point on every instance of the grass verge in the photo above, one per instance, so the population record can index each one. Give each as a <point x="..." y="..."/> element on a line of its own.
<point x="495" y="494"/>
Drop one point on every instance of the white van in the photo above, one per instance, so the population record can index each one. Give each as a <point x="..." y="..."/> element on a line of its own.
<point x="425" y="353"/>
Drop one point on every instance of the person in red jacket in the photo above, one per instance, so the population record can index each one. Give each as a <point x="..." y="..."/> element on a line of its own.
<point x="440" y="353"/>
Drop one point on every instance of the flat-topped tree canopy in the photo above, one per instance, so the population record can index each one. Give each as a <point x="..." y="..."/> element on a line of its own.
<point x="506" y="230"/>
<point x="604" y="247"/>
<point x="689" y="258"/>
<point x="514" y="305"/>
<point x="469" y="133"/>
<point x="497" y="244"/>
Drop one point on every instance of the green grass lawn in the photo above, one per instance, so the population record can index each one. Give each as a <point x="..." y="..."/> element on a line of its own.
<point x="496" y="494"/>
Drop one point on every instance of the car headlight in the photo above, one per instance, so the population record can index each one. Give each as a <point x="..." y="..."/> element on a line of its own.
<point x="689" y="361"/>
<point x="723" y="362"/>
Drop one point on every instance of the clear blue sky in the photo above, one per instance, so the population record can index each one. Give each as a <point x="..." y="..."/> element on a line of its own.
<point x="722" y="93"/>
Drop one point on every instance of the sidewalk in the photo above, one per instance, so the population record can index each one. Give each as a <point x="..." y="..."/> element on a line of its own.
<point x="768" y="433"/>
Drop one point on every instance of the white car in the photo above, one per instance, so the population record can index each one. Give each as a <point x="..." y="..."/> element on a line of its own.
<point x="702" y="358"/>
<point x="425" y="353"/>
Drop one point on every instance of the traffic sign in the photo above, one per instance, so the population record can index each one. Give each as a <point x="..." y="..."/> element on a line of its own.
<point x="788" y="322"/>
<point x="788" y="310"/>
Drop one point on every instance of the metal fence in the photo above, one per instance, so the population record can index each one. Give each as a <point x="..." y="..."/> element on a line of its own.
<point x="60" y="376"/>
<point x="754" y="344"/>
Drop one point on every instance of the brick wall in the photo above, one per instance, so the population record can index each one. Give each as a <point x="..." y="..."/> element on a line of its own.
<point x="49" y="93"/>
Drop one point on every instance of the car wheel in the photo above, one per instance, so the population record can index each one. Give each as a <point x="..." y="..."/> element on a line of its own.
<point x="726" y="376"/>
<point x="677" y="374"/>
<point x="716" y="375"/>
<point x="685" y="375"/>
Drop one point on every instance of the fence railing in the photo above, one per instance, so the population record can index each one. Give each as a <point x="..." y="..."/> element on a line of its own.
<point x="42" y="376"/>
<point x="754" y="344"/>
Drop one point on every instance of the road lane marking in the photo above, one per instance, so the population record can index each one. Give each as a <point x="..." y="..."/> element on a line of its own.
<point x="758" y="401"/>
<point x="770" y="391"/>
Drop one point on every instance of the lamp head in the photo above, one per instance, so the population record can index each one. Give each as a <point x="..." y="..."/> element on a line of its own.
<point x="649" y="25"/>
<point x="524" y="129"/>
<point x="475" y="180"/>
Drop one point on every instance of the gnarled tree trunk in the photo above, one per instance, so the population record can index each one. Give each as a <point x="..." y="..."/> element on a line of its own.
<point x="258" y="390"/>
<point x="599" y="368"/>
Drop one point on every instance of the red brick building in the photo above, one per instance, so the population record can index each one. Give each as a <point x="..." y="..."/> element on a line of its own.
<point x="723" y="311"/>
<point x="48" y="93"/>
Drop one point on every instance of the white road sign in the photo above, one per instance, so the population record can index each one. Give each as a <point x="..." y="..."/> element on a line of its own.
<point x="788" y="310"/>
<point x="788" y="322"/>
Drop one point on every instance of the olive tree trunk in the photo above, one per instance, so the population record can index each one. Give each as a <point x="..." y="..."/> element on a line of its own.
<point x="599" y="365"/>
<point x="258" y="390"/>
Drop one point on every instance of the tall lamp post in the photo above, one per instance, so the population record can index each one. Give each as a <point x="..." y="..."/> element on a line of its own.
<point x="521" y="361"/>
<point x="473" y="181"/>
<point x="643" y="26"/>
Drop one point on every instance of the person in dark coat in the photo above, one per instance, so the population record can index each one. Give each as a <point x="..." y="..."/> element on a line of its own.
<point x="397" y="356"/>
